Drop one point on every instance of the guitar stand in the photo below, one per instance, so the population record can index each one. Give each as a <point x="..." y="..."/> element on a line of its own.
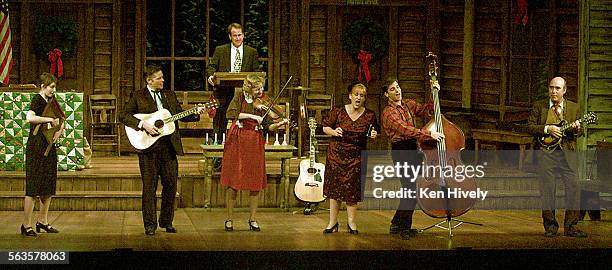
<point x="449" y="225"/>
<point x="310" y="208"/>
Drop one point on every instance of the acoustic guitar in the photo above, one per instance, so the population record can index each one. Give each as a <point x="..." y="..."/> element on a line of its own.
<point x="163" y="120"/>
<point x="309" y="186"/>
<point x="549" y="142"/>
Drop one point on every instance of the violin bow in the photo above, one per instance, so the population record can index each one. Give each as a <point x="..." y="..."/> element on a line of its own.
<point x="276" y="98"/>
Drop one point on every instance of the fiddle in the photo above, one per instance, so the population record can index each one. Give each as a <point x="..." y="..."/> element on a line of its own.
<point x="269" y="108"/>
<point x="264" y="103"/>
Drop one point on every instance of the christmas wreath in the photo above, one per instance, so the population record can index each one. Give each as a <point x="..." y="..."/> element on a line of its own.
<point x="365" y="34"/>
<point x="55" y="33"/>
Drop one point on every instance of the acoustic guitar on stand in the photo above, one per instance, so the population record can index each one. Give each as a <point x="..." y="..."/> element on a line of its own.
<point x="309" y="186"/>
<point x="163" y="120"/>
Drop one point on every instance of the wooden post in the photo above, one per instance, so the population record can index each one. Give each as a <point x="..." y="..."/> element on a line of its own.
<point x="583" y="76"/>
<point x="504" y="60"/>
<point x="393" y="43"/>
<point x="305" y="44"/>
<point x="468" y="53"/>
<point x="117" y="52"/>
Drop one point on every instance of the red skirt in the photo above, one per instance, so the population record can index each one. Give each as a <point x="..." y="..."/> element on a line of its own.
<point x="244" y="165"/>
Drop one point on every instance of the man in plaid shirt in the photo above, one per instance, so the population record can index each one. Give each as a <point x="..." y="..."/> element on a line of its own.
<point x="398" y="123"/>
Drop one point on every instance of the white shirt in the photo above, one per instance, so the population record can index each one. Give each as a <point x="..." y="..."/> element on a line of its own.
<point x="233" y="55"/>
<point x="157" y="100"/>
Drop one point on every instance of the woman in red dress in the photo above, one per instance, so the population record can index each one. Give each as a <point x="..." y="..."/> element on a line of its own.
<point x="243" y="165"/>
<point x="348" y="125"/>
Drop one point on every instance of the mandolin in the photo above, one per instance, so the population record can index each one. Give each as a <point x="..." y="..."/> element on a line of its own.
<point x="549" y="142"/>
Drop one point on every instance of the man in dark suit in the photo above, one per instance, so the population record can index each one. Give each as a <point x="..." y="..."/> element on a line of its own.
<point x="558" y="161"/>
<point x="233" y="57"/>
<point x="160" y="158"/>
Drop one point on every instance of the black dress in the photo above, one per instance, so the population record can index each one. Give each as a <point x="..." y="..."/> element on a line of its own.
<point x="41" y="171"/>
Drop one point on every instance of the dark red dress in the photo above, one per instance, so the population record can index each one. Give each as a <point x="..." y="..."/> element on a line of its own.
<point x="243" y="166"/>
<point x="343" y="164"/>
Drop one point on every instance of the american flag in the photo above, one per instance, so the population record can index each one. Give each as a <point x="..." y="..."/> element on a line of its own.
<point x="6" y="51"/>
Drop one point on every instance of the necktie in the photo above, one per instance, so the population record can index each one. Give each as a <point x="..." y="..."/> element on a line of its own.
<point x="158" y="100"/>
<point x="237" y="61"/>
<point x="557" y="110"/>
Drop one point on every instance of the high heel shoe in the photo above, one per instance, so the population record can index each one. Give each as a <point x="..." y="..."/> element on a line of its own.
<point x="350" y="230"/>
<point x="45" y="227"/>
<point x="253" y="226"/>
<point x="230" y="227"/>
<point x="332" y="229"/>
<point x="27" y="231"/>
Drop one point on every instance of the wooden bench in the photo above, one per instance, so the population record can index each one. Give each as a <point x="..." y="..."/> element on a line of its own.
<point x="502" y="136"/>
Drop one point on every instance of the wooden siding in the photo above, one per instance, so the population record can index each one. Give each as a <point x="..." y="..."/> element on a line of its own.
<point x="597" y="88"/>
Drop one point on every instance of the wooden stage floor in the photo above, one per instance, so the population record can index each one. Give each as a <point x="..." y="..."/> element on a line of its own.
<point x="202" y="230"/>
<point x="293" y="240"/>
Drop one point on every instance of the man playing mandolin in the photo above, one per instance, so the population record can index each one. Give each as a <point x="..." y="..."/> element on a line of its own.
<point x="560" y="160"/>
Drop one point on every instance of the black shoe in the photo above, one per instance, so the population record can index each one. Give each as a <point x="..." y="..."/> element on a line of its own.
<point x="150" y="231"/>
<point x="576" y="233"/>
<point x="253" y="226"/>
<point x="27" y="231"/>
<point x="231" y="225"/>
<point x="332" y="229"/>
<point x="350" y="230"/>
<point x="550" y="234"/>
<point x="407" y="234"/>
<point x="169" y="228"/>
<point x="46" y="227"/>
<point x="396" y="228"/>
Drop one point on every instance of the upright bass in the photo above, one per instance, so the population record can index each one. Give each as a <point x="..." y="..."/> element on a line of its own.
<point x="440" y="156"/>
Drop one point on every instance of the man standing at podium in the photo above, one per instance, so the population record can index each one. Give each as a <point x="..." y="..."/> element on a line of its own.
<point x="233" y="57"/>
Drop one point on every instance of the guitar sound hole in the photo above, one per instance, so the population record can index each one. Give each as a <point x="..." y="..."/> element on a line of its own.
<point x="312" y="170"/>
<point x="159" y="124"/>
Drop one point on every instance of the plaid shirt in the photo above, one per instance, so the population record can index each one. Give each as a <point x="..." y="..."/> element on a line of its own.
<point x="398" y="120"/>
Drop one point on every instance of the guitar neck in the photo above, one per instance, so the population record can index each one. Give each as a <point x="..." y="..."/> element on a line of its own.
<point x="312" y="149"/>
<point x="181" y="115"/>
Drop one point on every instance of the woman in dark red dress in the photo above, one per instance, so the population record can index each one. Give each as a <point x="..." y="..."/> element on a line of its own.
<point x="348" y="125"/>
<point x="244" y="166"/>
<point x="41" y="170"/>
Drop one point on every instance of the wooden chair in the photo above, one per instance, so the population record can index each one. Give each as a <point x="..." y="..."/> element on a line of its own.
<point x="104" y="128"/>
<point x="318" y="105"/>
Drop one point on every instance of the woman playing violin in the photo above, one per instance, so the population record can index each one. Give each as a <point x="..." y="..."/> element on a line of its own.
<point x="243" y="166"/>
<point x="348" y="125"/>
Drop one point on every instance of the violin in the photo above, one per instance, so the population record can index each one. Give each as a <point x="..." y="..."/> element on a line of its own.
<point x="264" y="103"/>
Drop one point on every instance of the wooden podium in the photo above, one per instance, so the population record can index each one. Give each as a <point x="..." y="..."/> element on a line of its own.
<point x="232" y="79"/>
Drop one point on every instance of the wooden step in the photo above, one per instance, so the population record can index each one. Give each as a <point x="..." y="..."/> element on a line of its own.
<point x="80" y="200"/>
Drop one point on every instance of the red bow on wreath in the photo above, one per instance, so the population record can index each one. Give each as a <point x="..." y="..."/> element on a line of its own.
<point x="55" y="57"/>
<point x="521" y="16"/>
<point x="364" y="58"/>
